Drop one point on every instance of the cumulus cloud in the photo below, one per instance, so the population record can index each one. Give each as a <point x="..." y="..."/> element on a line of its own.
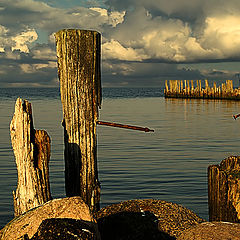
<point x="136" y="34"/>
<point x="114" y="50"/>
<point x="176" y="40"/>
<point x="222" y="33"/>
<point x="19" y="45"/>
<point x="23" y="39"/>
<point x="113" y="18"/>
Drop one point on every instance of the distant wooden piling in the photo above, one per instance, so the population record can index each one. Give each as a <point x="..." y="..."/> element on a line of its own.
<point x="78" y="53"/>
<point x="225" y="91"/>
<point x="224" y="190"/>
<point x="32" y="153"/>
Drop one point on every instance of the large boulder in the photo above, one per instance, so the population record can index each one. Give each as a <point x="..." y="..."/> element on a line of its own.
<point x="144" y="219"/>
<point x="65" y="228"/>
<point x="212" y="230"/>
<point x="28" y="223"/>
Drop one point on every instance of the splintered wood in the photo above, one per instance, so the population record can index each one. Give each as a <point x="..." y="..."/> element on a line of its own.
<point x="78" y="53"/>
<point x="32" y="153"/>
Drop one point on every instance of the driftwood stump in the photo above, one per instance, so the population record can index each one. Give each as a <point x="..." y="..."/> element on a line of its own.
<point x="78" y="53"/>
<point x="32" y="153"/>
<point x="224" y="190"/>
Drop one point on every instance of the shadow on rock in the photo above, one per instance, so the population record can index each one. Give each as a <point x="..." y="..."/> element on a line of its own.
<point x="146" y="219"/>
<point x="131" y="225"/>
<point x="65" y="228"/>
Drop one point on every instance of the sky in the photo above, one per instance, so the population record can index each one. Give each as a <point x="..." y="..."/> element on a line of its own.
<point x="144" y="42"/>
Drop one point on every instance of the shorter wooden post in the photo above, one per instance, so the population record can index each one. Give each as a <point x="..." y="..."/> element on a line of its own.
<point x="170" y="86"/>
<point x="206" y="84"/>
<point x="224" y="190"/>
<point x="215" y="88"/>
<point x="166" y="86"/>
<point x="32" y="153"/>
<point x="192" y="85"/>
<point x="188" y="84"/>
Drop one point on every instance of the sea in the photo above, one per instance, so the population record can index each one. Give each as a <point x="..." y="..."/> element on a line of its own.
<point x="168" y="164"/>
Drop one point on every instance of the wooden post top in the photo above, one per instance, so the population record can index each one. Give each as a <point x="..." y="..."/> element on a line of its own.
<point x="69" y="30"/>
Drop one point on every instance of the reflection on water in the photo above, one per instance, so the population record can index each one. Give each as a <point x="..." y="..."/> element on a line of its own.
<point x="169" y="164"/>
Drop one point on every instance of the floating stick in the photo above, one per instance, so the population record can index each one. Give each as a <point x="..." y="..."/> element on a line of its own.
<point x="124" y="126"/>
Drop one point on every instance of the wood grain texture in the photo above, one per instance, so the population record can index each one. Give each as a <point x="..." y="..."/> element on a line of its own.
<point x="32" y="153"/>
<point x="78" y="53"/>
<point x="224" y="190"/>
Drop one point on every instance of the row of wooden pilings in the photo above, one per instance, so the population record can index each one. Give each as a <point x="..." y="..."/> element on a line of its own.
<point x="78" y="53"/>
<point x="187" y="89"/>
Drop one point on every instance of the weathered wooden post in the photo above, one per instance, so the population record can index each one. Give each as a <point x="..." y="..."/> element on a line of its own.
<point x="224" y="190"/>
<point x="188" y="84"/>
<point x="32" y="153"/>
<point x="166" y="87"/>
<point x="78" y="53"/>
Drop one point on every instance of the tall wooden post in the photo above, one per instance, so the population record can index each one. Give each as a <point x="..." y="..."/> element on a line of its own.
<point x="32" y="153"/>
<point x="78" y="53"/>
<point x="224" y="190"/>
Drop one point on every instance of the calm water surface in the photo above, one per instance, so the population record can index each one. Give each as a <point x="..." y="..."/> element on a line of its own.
<point x="169" y="164"/>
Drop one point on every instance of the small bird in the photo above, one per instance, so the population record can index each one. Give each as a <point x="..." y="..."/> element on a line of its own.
<point x="236" y="116"/>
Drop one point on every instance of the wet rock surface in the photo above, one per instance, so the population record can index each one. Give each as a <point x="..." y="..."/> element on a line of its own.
<point x="144" y="219"/>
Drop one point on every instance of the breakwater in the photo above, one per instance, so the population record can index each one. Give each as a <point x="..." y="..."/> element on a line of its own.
<point x="187" y="89"/>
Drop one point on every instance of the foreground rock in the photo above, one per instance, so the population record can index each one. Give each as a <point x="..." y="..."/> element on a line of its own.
<point x="64" y="228"/>
<point x="144" y="219"/>
<point x="29" y="222"/>
<point x="212" y="230"/>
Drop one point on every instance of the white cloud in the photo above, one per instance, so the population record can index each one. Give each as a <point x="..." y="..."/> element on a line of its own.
<point x="16" y="41"/>
<point x="112" y="18"/>
<point x="116" y="17"/>
<point x="223" y="33"/>
<point x="139" y="34"/>
<point x="142" y="36"/>
<point x="114" y="50"/>
<point x="23" y="39"/>
<point x="102" y="11"/>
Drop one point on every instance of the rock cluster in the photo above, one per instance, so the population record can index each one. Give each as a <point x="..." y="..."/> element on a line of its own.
<point x="70" y="218"/>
